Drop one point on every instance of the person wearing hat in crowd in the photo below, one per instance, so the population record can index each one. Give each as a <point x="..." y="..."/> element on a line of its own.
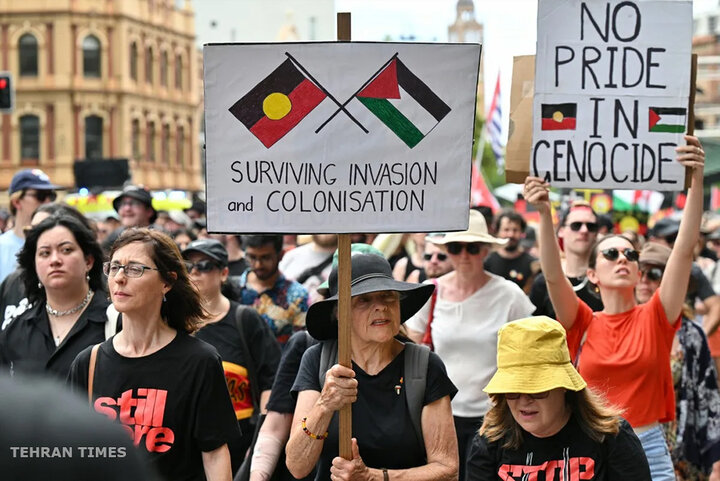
<point x="244" y="341"/>
<point x="29" y="189"/>
<point x="386" y="444"/>
<point x="545" y="423"/>
<point x="694" y="436"/>
<point x="471" y="305"/>
<point x="625" y="348"/>
<point x="134" y="206"/>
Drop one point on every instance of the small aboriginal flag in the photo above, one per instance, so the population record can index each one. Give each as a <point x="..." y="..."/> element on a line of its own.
<point x="558" y="116"/>
<point x="277" y="104"/>
<point x="666" y="119"/>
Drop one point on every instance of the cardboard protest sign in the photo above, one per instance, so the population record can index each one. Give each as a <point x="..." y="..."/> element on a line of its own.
<point x="339" y="137"/>
<point x="521" y="104"/>
<point x="612" y="81"/>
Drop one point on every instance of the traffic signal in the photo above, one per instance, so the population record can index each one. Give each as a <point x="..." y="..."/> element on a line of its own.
<point x="6" y="97"/>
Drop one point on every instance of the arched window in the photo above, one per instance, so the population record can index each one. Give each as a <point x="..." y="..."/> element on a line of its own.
<point x="133" y="61"/>
<point x="149" y="65"/>
<point x="93" y="137"/>
<point x="30" y="137"/>
<point x="136" y="139"/>
<point x="91" y="56"/>
<point x="166" y="144"/>
<point x="151" y="142"/>
<point x="178" y="72"/>
<point x="179" y="153"/>
<point x="28" y="55"/>
<point x="164" y="69"/>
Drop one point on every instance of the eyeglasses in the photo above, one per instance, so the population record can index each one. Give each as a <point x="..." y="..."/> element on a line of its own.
<point x="201" y="266"/>
<point x="653" y="273"/>
<point x="440" y="256"/>
<point x="613" y="253"/>
<point x="43" y="195"/>
<point x="131" y="270"/>
<point x="516" y="395"/>
<point x="456" y="248"/>
<point x="590" y="226"/>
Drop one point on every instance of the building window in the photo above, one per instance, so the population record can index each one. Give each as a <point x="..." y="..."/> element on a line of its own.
<point x="166" y="144"/>
<point x="30" y="137"/>
<point x="93" y="137"/>
<point x="178" y="72"/>
<point x="136" y="139"/>
<point x="28" y="55"/>
<point x="180" y="159"/>
<point x="164" y="69"/>
<point x="91" y="56"/>
<point x="149" y="65"/>
<point x="133" y="61"/>
<point x="712" y="25"/>
<point x="151" y="141"/>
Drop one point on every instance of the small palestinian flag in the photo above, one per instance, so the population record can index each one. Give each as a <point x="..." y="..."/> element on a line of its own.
<point x="666" y="119"/>
<point x="278" y="103"/>
<point x="403" y="103"/>
<point x="558" y="116"/>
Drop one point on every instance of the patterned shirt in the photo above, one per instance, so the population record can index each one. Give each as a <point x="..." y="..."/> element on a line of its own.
<point x="283" y="306"/>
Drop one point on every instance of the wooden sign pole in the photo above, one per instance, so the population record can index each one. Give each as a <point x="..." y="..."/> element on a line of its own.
<point x="344" y="279"/>
<point x="691" y="110"/>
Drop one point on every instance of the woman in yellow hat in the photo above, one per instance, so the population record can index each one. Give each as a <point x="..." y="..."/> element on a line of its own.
<point x="545" y="422"/>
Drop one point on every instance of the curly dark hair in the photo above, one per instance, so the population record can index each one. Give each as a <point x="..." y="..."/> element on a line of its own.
<point x="83" y="236"/>
<point x="183" y="309"/>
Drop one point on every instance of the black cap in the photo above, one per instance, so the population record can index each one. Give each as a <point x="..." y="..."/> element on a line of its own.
<point x="137" y="193"/>
<point x="210" y="247"/>
<point x="665" y="227"/>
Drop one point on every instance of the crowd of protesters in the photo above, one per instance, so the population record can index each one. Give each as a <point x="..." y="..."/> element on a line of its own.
<point x="216" y="352"/>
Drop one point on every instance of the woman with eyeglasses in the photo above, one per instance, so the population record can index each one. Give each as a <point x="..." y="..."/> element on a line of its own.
<point x="164" y="386"/>
<point x="250" y="354"/>
<point x="625" y="349"/>
<point x="462" y="322"/>
<point x="60" y="266"/>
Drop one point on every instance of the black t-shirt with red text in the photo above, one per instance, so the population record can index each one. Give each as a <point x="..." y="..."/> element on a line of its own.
<point x="569" y="454"/>
<point x="174" y="403"/>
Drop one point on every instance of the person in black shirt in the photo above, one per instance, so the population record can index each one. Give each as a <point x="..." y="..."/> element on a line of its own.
<point x="164" y="386"/>
<point x="510" y="260"/>
<point x="243" y="339"/>
<point x="545" y="422"/>
<point x="61" y="267"/>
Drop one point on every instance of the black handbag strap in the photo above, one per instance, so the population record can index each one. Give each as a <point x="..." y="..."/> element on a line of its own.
<point x="249" y="363"/>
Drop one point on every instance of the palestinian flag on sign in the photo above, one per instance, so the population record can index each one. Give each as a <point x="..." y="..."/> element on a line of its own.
<point x="558" y="116"/>
<point x="403" y="102"/>
<point x="666" y="119"/>
<point x="278" y="103"/>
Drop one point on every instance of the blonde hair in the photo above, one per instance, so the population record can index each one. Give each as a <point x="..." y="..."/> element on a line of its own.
<point x="596" y="417"/>
<point x="17" y="195"/>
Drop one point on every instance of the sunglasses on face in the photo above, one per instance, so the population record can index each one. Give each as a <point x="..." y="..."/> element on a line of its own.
<point x="43" y="195"/>
<point x="440" y="256"/>
<point x="653" y="273"/>
<point x="456" y="248"/>
<point x="613" y="253"/>
<point x="590" y="226"/>
<point x="516" y="395"/>
<point x="201" y="266"/>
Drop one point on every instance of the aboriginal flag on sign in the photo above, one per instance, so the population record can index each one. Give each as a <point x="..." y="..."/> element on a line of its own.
<point x="558" y="116"/>
<point x="277" y="104"/>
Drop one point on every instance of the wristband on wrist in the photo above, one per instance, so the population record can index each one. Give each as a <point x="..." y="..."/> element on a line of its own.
<point x="305" y="429"/>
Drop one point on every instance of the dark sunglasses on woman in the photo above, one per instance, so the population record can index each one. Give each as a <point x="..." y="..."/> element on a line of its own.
<point x="201" y="266"/>
<point x="440" y="256"/>
<point x="613" y="253"/>
<point x="653" y="273"/>
<point x="590" y="226"/>
<point x="43" y="195"/>
<point x="516" y="395"/>
<point x="456" y="248"/>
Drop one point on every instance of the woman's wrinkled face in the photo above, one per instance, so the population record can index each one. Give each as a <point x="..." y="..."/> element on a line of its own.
<point x="142" y="294"/>
<point x="376" y="316"/>
<point x="541" y="417"/>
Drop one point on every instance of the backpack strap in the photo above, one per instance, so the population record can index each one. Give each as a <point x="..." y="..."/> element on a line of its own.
<point x="328" y="358"/>
<point x="249" y="364"/>
<point x="113" y="321"/>
<point x="416" y="366"/>
<point x="91" y="371"/>
<point x="314" y="270"/>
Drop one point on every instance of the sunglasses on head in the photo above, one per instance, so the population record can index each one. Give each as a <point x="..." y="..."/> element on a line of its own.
<point x="201" y="266"/>
<point x="653" y="273"/>
<point x="456" y="248"/>
<point x="613" y="253"/>
<point x="516" y="395"/>
<point x="590" y="226"/>
<point x="43" y="195"/>
<point x="440" y="256"/>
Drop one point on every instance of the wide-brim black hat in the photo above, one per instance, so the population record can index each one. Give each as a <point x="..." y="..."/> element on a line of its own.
<point x="370" y="273"/>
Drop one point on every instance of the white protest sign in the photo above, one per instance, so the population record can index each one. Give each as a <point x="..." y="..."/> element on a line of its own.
<point x="612" y="82"/>
<point x="339" y="137"/>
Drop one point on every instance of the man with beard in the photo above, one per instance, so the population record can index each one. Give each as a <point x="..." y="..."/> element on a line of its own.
<point x="510" y="260"/>
<point x="281" y="302"/>
<point x="577" y="233"/>
<point x="310" y="263"/>
<point x="435" y="262"/>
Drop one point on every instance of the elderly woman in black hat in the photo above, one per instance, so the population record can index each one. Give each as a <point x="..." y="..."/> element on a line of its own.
<point x="393" y="435"/>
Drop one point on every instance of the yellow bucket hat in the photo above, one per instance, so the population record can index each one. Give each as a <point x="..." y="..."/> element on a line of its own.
<point x="533" y="357"/>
